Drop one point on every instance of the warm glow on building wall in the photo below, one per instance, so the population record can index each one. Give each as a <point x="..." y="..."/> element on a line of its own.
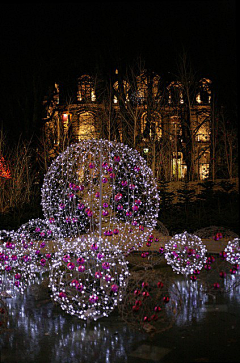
<point x="66" y="120"/>
<point x="85" y="126"/>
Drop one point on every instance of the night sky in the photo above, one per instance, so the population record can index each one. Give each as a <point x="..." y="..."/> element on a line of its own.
<point x="56" y="42"/>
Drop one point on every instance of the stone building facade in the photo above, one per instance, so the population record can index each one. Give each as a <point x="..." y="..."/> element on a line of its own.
<point x="169" y="124"/>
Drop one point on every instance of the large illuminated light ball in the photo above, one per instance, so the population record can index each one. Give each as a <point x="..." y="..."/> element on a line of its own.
<point x="88" y="284"/>
<point x="185" y="253"/>
<point x="101" y="189"/>
<point x="232" y="251"/>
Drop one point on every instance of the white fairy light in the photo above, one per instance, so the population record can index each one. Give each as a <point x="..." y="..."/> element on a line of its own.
<point x="101" y="189"/>
<point x="185" y="253"/>
<point x="16" y="264"/>
<point x="99" y="200"/>
<point x="88" y="284"/>
<point x="35" y="237"/>
<point x="232" y="251"/>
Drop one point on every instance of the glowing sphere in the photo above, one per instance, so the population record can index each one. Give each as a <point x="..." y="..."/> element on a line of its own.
<point x="16" y="268"/>
<point x="185" y="253"/>
<point x="88" y="284"/>
<point x="34" y="230"/>
<point x="101" y="189"/>
<point x="233" y="251"/>
<point x="33" y="235"/>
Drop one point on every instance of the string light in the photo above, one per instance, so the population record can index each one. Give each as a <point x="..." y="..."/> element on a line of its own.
<point x="100" y="201"/>
<point x="232" y="251"/>
<point x="185" y="253"/>
<point x="101" y="189"/>
<point x="88" y="284"/>
<point x="16" y="265"/>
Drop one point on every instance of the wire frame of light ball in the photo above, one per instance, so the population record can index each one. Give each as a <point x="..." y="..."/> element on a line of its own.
<point x="88" y="284"/>
<point x="152" y="300"/>
<point x="185" y="253"/>
<point x="101" y="189"/>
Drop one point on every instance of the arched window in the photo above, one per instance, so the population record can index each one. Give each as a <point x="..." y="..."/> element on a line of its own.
<point x="142" y="87"/>
<point x="86" y="91"/>
<point x="126" y="87"/>
<point x="147" y="82"/>
<point x="175" y="93"/>
<point x="155" y="125"/>
<point x="204" y="91"/>
<point x="175" y="129"/>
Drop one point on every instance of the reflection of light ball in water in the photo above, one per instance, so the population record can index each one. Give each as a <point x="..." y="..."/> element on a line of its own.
<point x="185" y="253"/>
<point x="88" y="284"/>
<point x="102" y="189"/>
<point x="232" y="251"/>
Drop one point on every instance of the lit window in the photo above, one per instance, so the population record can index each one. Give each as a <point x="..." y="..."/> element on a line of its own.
<point x="203" y="132"/>
<point x="204" y="166"/>
<point x="179" y="169"/>
<point x="86" y="90"/>
<point x="175" y="93"/>
<point x="175" y="128"/>
<point x="155" y="128"/>
<point x="204" y="171"/>
<point x="126" y="88"/>
<point x="204" y="94"/>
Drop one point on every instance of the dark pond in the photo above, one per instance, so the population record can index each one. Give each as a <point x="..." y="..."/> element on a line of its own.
<point x="206" y="330"/>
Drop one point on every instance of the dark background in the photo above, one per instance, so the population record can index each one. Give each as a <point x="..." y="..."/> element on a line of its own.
<point x="46" y="43"/>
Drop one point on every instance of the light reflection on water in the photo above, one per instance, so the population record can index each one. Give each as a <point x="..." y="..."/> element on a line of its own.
<point x="197" y="299"/>
<point x="232" y="287"/>
<point x="194" y="298"/>
<point x="49" y="335"/>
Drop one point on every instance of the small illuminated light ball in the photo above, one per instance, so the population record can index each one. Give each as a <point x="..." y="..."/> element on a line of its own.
<point x="35" y="238"/>
<point x="232" y="251"/>
<point x="35" y="229"/>
<point x="33" y="235"/>
<point x="16" y="267"/>
<point x="88" y="284"/>
<point x="185" y="253"/>
<point x="101" y="189"/>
